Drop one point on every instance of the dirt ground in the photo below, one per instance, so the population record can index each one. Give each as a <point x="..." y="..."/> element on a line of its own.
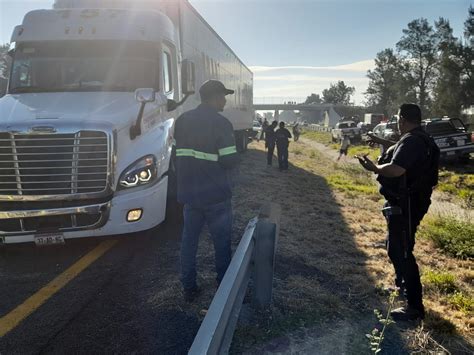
<point x="331" y="266"/>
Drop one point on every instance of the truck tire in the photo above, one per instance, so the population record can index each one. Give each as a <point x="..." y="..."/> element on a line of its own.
<point x="464" y="159"/>
<point x="241" y="141"/>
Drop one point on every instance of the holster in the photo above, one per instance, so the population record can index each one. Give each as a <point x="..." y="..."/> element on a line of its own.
<point x="392" y="211"/>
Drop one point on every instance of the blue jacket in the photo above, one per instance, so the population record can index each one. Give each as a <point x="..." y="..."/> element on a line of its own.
<point x="205" y="154"/>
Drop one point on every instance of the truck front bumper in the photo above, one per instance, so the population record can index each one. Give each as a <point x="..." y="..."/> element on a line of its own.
<point x="113" y="215"/>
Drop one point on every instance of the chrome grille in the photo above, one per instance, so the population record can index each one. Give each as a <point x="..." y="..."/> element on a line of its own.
<point x="53" y="164"/>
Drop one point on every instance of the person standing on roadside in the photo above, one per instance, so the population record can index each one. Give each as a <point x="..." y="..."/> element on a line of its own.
<point x="296" y="132"/>
<point x="205" y="154"/>
<point x="345" y="142"/>
<point x="270" y="141"/>
<point x="282" y="137"/>
<point x="407" y="172"/>
<point x="264" y="127"/>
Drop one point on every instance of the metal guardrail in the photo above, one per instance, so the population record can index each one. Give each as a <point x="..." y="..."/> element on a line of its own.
<point x="254" y="258"/>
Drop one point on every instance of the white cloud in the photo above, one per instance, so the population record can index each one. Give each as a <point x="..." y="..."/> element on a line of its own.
<point x="300" y="81"/>
<point x="361" y="66"/>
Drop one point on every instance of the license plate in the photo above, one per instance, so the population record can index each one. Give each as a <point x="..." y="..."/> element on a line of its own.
<point x="461" y="143"/>
<point x="450" y="153"/>
<point x="49" y="239"/>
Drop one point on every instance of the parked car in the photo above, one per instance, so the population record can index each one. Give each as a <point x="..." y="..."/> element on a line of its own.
<point x="346" y="128"/>
<point x="387" y="130"/>
<point x="391" y="131"/>
<point x="452" y="137"/>
<point x="378" y="130"/>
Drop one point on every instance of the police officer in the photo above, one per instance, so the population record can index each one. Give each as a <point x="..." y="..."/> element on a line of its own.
<point x="205" y="154"/>
<point x="407" y="172"/>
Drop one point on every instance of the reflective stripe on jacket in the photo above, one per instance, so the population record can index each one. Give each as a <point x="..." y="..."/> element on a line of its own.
<point x="205" y="154"/>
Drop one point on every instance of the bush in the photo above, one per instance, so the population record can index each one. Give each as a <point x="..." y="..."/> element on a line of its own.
<point x="462" y="302"/>
<point x="441" y="281"/>
<point x="453" y="236"/>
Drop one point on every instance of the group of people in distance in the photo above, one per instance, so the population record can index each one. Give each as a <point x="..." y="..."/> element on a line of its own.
<point x="279" y="138"/>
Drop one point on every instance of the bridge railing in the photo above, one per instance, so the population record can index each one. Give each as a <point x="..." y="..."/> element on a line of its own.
<point x="259" y="239"/>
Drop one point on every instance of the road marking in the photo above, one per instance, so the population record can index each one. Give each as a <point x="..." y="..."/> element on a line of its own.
<point x="15" y="317"/>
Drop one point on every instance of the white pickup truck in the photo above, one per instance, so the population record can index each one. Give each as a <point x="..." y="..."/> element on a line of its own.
<point x="346" y="128"/>
<point x="86" y="126"/>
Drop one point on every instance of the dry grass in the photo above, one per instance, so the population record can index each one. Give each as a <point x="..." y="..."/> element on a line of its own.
<point x="331" y="258"/>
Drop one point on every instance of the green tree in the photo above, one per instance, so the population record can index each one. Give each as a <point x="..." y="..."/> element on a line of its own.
<point x="466" y="55"/>
<point x="418" y="46"/>
<point x="387" y="82"/>
<point x="313" y="99"/>
<point x="338" y="93"/>
<point x="448" y="96"/>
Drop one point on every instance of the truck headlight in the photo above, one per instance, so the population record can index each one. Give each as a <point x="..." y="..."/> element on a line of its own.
<point x="142" y="172"/>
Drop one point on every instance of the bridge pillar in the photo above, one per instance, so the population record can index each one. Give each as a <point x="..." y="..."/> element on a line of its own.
<point x="276" y="116"/>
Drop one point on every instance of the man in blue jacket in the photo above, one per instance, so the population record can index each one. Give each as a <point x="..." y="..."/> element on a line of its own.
<point x="205" y="155"/>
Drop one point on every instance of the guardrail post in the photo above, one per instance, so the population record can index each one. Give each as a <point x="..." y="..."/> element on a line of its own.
<point x="264" y="254"/>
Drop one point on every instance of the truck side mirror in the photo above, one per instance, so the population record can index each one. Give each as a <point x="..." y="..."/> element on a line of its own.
<point x="143" y="96"/>
<point x="188" y="77"/>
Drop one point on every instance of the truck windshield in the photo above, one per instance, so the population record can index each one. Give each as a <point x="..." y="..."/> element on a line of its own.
<point x="57" y="66"/>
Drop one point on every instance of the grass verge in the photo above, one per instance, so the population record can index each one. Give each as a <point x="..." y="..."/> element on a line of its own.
<point x="444" y="282"/>
<point x="452" y="236"/>
<point x="457" y="184"/>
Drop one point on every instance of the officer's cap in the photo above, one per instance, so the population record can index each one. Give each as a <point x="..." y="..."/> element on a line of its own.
<point x="212" y="87"/>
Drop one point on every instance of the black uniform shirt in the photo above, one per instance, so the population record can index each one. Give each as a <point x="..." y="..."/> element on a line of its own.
<point x="281" y="136"/>
<point x="410" y="153"/>
<point x="205" y="153"/>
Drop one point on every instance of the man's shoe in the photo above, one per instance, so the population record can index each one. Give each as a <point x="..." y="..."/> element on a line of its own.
<point x="191" y="294"/>
<point x="405" y="314"/>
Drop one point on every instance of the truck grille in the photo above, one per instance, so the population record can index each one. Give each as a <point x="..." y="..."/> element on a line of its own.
<point x="50" y="223"/>
<point x="53" y="164"/>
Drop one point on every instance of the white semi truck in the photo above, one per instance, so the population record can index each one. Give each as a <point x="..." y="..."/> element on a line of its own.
<point x="86" y="127"/>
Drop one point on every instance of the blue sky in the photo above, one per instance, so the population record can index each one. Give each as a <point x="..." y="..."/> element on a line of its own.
<point x="296" y="47"/>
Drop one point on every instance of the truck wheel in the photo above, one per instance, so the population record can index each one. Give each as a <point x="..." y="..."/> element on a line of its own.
<point x="241" y="141"/>
<point x="464" y="159"/>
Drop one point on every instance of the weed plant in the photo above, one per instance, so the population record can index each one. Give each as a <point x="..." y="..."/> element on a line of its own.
<point x="444" y="282"/>
<point x="462" y="302"/>
<point x="377" y="336"/>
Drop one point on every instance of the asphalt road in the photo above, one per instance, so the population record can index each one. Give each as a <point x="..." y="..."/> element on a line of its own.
<point x="126" y="301"/>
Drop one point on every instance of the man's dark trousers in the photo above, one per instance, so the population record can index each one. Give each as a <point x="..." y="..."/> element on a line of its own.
<point x="400" y="251"/>
<point x="219" y="221"/>
<point x="271" y="149"/>
<point x="282" y="152"/>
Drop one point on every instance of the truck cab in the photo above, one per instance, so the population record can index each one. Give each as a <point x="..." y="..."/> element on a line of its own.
<point x="86" y="126"/>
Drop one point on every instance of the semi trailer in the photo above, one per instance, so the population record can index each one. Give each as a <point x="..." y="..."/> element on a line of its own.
<point x="86" y="125"/>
